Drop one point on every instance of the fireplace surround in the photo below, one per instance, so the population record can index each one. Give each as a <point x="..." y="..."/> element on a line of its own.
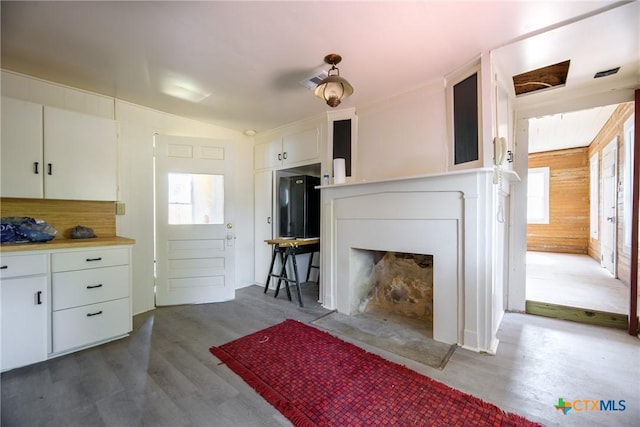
<point x="448" y="216"/>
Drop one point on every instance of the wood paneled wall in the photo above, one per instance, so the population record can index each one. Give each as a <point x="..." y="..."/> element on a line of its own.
<point x="63" y="215"/>
<point x="568" y="228"/>
<point x="614" y="129"/>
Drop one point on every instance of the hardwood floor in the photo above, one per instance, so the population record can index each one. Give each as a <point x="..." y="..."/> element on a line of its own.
<point x="164" y="375"/>
<point x="575" y="281"/>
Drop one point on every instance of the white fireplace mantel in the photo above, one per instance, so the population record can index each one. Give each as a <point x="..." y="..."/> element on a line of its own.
<point x="447" y="215"/>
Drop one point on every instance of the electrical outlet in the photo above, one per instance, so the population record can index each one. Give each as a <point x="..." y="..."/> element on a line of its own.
<point x="120" y="208"/>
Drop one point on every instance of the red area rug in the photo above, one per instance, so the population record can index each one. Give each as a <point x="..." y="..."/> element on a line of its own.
<point x="316" y="379"/>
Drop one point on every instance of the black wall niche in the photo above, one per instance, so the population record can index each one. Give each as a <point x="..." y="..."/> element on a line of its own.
<point x="465" y="120"/>
<point x="342" y="142"/>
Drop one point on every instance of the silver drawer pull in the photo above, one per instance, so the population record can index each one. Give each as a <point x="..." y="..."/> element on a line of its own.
<point x="94" y="259"/>
<point x="94" y="286"/>
<point x="94" y="314"/>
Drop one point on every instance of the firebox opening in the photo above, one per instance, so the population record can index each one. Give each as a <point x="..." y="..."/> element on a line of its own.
<point x="396" y="287"/>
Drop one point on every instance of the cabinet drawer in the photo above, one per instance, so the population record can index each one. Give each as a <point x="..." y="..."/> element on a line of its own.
<point x="76" y="327"/>
<point x="65" y="261"/>
<point x="82" y="287"/>
<point x="23" y="265"/>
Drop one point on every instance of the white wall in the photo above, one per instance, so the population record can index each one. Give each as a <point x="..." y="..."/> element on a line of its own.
<point x="135" y="171"/>
<point x="42" y="92"/>
<point x="403" y="136"/>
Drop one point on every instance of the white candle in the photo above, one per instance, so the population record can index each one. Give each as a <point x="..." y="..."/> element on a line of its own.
<point x="339" y="171"/>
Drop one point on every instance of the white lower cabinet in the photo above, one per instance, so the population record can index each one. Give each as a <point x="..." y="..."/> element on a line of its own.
<point x="23" y="297"/>
<point x="90" y="297"/>
<point x="54" y="302"/>
<point x="81" y="326"/>
<point x="76" y="288"/>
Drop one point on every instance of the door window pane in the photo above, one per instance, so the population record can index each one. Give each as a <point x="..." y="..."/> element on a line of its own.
<point x="196" y="199"/>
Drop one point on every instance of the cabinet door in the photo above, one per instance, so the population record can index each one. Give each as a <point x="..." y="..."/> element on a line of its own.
<point x="24" y="321"/>
<point x="22" y="171"/>
<point x="301" y="147"/>
<point x="80" y="155"/>
<point x="267" y="155"/>
<point x="263" y="223"/>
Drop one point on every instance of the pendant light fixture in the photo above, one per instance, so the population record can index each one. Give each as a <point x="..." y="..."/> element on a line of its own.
<point x="334" y="88"/>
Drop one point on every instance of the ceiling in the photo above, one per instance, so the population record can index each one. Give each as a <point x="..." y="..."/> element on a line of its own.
<point x="596" y="43"/>
<point x="238" y="64"/>
<point x="567" y="130"/>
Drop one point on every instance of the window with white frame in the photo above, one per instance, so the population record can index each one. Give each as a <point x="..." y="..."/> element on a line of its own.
<point x="538" y="196"/>
<point x="593" y="196"/>
<point x="629" y="128"/>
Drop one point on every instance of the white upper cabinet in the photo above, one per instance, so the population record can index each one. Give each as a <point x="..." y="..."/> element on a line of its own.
<point x="57" y="154"/>
<point x="80" y="153"/>
<point x="301" y="147"/>
<point x="268" y="155"/>
<point x="294" y="149"/>
<point x="22" y="168"/>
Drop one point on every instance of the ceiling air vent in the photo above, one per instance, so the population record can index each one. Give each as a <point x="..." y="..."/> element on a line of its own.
<point x="606" y="73"/>
<point x="551" y="76"/>
<point x="313" y="81"/>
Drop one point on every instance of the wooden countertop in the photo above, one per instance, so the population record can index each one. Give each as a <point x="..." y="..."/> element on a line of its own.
<point x="66" y="244"/>
<point x="292" y="242"/>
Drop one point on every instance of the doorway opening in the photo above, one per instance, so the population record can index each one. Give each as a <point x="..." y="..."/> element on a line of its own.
<point x="578" y="205"/>
<point x="270" y="216"/>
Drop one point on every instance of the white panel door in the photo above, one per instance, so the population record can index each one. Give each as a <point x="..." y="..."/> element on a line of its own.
<point x="195" y="246"/>
<point x="21" y="149"/>
<point x="609" y="202"/>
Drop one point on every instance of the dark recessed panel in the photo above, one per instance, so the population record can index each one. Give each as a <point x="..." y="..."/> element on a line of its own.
<point x="465" y="120"/>
<point x="342" y="142"/>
